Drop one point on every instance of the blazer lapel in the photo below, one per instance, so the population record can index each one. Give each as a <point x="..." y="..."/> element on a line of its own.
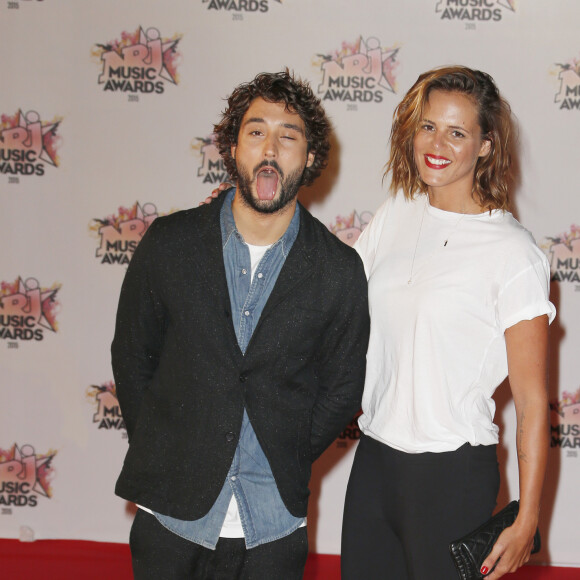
<point x="208" y="255"/>
<point x="208" y="262"/>
<point x="298" y="267"/>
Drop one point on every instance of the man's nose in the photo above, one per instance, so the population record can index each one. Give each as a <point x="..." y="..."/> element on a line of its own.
<point x="270" y="147"/>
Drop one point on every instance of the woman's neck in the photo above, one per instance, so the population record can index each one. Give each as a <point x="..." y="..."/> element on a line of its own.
<point x="463" y="203"/>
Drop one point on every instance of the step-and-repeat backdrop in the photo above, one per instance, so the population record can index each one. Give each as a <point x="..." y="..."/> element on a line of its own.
<point x="107" y="110"/>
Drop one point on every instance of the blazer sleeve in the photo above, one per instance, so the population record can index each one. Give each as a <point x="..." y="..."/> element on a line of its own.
<point x="342" y="358"/>
<point x="139" y="330"/>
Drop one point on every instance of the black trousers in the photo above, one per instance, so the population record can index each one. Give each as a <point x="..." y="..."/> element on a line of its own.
<point x="159" y="554"/>
<point x="403" y="509"/>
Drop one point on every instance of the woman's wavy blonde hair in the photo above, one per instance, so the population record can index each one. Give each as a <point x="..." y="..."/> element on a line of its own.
<point x="491" y="181"/>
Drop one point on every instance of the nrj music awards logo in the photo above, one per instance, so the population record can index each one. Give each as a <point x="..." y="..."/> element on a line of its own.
<point x="358" y="73"/>
<point x="212" y="169"/>
<point x="27" y="310"/>
<point x="563" y="251"/>
<point x="474" y="10"/>
<point x="24" y="475"/>
<point x="568" y="95"/>
<point x="565" y="424"/>
<point x="27" y="144"/>
<point x="108" y="413"/>
<point x="141" y="62"/>
<point x="348" y="229"/>
<point x="121" y="233"/>
<point x="239" y="5"/>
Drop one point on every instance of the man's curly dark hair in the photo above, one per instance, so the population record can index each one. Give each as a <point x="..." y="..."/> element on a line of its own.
<point x="296" y="94"/>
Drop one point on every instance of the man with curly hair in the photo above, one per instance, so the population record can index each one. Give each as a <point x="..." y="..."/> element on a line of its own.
<point x="239" y="353"/>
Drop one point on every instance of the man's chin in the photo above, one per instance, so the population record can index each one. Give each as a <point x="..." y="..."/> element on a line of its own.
<point x="272" y="205"/>
<point x="268" y="206"/>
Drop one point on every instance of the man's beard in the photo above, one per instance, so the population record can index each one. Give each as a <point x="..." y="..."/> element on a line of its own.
<point x="289" y="187"/>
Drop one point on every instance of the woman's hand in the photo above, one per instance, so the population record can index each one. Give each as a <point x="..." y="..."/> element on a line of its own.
<point x="221" y="187"/>
<point x="511" y="550"/>
<point x="527" y="347"/>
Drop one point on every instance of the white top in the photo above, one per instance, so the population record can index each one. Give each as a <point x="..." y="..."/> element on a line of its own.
<point x="437" y="347"/>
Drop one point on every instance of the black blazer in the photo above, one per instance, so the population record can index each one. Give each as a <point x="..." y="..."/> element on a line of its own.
<point x="183" y="383"/>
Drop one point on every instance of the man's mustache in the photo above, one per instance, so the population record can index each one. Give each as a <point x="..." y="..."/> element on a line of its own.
<point x="272" y="164"/>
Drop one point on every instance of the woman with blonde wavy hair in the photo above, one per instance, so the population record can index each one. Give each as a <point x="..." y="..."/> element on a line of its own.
<point x="458" y="292"/>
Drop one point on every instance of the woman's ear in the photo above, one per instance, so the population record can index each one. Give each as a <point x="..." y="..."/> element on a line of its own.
<point x="485" y="148"/>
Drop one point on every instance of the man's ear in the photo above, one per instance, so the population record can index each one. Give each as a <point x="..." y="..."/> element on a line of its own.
<point x="310" y="159"/>
<point x="233" y="151"/>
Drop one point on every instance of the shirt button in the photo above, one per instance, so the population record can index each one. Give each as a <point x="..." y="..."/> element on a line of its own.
<point x="233" y="478"/>
<point x="244" y="271"/>
<point x="230" y="437"/>
<point x="247" y="313"/>
<point x="260" y="275"/>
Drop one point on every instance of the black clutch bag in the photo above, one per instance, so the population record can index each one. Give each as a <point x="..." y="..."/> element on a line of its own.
<point x="469" y="552"/>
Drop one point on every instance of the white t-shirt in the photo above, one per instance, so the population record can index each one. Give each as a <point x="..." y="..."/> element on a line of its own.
<point x="437" y="347"/>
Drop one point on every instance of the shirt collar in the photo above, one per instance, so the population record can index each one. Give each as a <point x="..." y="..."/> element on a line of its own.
<point x="228" y="224"/>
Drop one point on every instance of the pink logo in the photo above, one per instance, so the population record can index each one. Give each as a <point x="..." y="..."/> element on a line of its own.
<point x="24" y="474"/>
<point x="27" y="144"/>
<point x="563" y="251"/>
<point x="108" y="414"/>
<point x="212" y="168"/>
<point x="141" y="62"/>
<point x="568" y="95"/>
<point x="349" y="229"/>
<point x="566" y="412"/>
<point x="120" y="234"/>
<point x="359" y="72"/>
<point x="26" y="309"/>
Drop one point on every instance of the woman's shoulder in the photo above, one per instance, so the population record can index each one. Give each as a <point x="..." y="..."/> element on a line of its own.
<point x="519" y="248"/>
<point x="512" y="231"/>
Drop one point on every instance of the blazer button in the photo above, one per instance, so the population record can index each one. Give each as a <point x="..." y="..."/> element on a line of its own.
<point x="230" y="437"/>
<point x="243" y="378"/>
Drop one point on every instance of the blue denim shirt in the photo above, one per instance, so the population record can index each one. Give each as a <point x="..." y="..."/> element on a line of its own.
<point x="263" y="514"/>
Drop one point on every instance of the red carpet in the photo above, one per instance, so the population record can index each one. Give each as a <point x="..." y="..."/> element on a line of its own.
<point x="77" y="560"/>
